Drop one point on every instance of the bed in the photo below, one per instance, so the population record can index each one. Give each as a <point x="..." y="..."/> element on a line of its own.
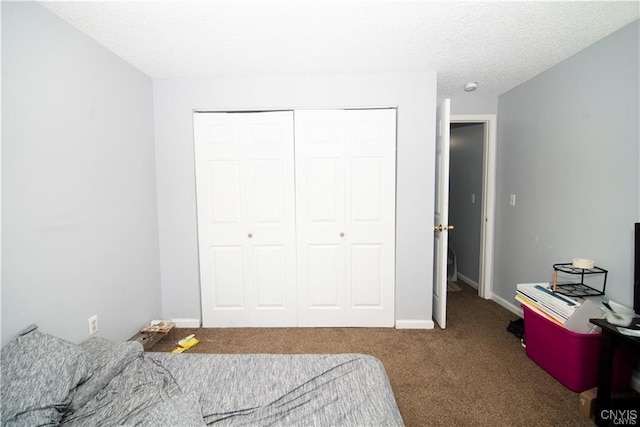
<point x="49" y="381"/>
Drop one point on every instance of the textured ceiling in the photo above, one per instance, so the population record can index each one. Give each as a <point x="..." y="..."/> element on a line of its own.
<point x="498" y="44"/>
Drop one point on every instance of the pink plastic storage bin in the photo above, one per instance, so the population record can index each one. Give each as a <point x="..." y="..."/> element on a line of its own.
<point x="569" y="357"/>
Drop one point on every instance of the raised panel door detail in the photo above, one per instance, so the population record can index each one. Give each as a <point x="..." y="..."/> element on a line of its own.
<point x="322" y="132"/>
<point x="366" y="273"/>
<point x="367" y="132"/>
<point x="366" y="179"/>
<point x="324" y="278"/>
<point x="323" y="189"/>
<point x="228" y="267"/>
<point x="267" y="185"/>
<point x="221" y="134"/>
<point x="266" y="133"/>
<point x="224" y="184"/>
<point x="270" y="276"/>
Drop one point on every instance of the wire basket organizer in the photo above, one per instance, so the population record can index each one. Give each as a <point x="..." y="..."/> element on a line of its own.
<point x="579" y="282"/>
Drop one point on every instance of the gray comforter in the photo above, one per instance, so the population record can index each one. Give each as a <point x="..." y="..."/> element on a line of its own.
<point x="103" y="383"/>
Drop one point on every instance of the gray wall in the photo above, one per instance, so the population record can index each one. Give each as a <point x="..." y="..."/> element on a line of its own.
<point x="473" y="103"/>
<point x="413" y="93"/>
<point x="465" y="180"/>
<point x="79" y="224"/>
<point x="568" y="147"/>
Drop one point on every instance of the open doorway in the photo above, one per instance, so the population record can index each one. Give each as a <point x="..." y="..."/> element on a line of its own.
<point x="472" y="199"/>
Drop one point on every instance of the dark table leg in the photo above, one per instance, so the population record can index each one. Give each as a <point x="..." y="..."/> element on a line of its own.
<point x="605" y="368"/>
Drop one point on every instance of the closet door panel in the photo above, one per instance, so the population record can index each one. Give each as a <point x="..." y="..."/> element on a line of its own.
<point x="370" y="215"/>
<point x="345" y="192"/>
<point x="320" y="218"/>
<point x="246" y="218"/>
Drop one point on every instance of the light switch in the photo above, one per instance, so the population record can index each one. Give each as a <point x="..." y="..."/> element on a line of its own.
<point x="512" y="199"/>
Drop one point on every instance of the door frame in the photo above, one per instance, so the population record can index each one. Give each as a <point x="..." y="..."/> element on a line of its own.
<point x="487" y="227"/>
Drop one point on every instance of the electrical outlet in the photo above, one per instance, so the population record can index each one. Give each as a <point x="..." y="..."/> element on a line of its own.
<point x="512" y="199"/>
<point x="93" y="324"/>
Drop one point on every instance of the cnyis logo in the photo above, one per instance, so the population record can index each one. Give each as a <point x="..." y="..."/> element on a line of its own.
<point x="620" y="417"/>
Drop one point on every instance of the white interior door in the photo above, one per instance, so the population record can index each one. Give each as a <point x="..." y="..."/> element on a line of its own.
<point x="441" y="214"/>
<point x="345" y="215"/>
<point x="246" y="218"/>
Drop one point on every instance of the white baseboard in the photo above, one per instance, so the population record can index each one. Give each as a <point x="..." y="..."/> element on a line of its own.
<point x="400" y="324"/>
<point x="508" y="305"/>
<point x="415" y="324"/>
<point x="186" y="323"/>
<point x="468" y="281"/>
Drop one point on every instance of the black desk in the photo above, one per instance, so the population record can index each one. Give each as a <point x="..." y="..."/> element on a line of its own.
<point x="612" y="338"/>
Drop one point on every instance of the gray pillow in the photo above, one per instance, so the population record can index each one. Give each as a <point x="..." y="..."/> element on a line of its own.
<point x="39" y="371"/>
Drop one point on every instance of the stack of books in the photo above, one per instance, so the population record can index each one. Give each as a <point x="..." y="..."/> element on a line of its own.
<point x="553" y="306"/>
<point x="569" y="313"/>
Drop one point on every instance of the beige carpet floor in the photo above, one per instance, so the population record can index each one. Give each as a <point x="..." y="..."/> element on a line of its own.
<point x="474" y="373"/>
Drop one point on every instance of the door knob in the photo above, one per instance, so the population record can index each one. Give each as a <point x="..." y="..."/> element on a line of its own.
<point x="342" y="234"/>
<point x="250" y="235"/>
<point x="440" y="228"/>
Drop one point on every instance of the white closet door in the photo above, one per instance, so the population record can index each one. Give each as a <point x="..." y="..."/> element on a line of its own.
<point x="345" y="216"/>
<point x="246" y="218"/>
